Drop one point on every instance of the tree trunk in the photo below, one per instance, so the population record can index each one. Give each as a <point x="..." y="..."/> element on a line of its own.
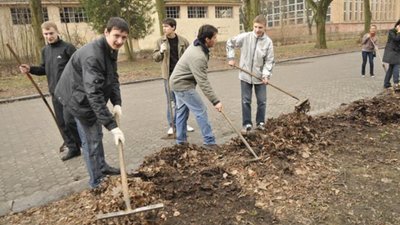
<point x="37" y="20"/>
<point x="321" y="33"/>
<point x="367" y="16"/>
<point x="251" y="10"/>
<point x="309" y="20"/>
<point x="320" y="9"/>
<point x="129" y="49"/>
<point x="160" y="6"/>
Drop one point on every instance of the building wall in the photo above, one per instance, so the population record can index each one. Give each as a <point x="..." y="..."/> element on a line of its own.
<point x="19" y="36"/>
<point x="345" y="20"/>
<point x="188" y="27"/>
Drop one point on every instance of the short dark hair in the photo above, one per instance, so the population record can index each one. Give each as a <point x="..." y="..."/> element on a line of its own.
<point x="397" y="23"/>
<point x="117" y="23"/>
<point x="206" y="31"/>
<point x="171" y="22"/>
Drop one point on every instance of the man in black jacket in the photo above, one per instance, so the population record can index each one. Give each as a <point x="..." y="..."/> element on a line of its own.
<point x="88" y="81"/>
<point x="55" y="56"/>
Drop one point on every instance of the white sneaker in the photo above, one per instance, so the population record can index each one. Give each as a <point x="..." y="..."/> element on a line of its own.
<point x="189" y="128"/>
<point x="170" y="131"/>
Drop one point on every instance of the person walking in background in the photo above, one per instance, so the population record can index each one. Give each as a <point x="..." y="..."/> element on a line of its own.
<point x="55" y="56"/>
<point x="169" y="48"/>
<point x="191" y="70"/>
<point x="256" y="56"/>
<point x="88" y="82"/>
<point x="369" y="41"/>
<point x="392" y="57"/>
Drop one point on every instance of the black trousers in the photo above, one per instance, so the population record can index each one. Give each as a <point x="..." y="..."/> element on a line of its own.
<point x="67" y="124"/>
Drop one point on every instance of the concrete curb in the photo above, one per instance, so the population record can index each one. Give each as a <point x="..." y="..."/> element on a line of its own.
<point x="28" y="97"/>
<point x="42" y="197"/>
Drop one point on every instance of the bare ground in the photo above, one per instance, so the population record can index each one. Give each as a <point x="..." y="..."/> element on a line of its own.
<point x="338" y="168"/>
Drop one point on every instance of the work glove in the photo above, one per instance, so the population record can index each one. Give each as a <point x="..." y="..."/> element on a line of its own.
<point x="117" y="110"/>
<point x="163" y="47"/>
<point x="118" y="135"/>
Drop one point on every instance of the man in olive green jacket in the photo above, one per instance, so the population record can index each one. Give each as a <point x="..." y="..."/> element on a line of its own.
<point x="169" y="48"/>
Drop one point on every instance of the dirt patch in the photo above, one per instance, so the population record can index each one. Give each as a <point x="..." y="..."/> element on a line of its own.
<point x="338" y="168"/>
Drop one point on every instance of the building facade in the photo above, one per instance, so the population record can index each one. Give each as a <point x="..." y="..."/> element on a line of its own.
<point x="343" y="17"/>
<point x="73" y="24"/>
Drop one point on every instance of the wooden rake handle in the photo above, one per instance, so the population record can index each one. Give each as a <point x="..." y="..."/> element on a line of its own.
<point x="37" y="89"/>
<point x="379" y="55"/>
<point x="272" y="85"/>
<point x="240" y="135"/>
<point x="124" y="179"/>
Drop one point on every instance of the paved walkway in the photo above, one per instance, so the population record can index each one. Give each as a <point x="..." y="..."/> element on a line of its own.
<point x="32" y="172"/>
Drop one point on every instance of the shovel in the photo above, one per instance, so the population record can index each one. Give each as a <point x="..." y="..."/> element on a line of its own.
<point x="125" y="192"/>
<point x="301" y="105"/>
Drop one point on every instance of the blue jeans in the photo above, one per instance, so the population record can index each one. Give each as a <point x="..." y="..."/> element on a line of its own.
<point x="261" y="96"/>
<point x="173" y="99"/>
<point x="190" y="101"/>
<point x="93" y="151"/>
<point x="392" y="70"/>
<point x="370" y="56"/>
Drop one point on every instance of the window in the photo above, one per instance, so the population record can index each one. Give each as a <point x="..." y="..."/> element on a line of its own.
<point x="73" y="15"/>
<point x="197" y="12"/>
<point x="24" y="16"/>
<point x="172" y="11"/>
<point x="223" y="12"/>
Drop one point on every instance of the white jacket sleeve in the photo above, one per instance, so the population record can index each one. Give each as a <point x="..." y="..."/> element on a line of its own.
<point x="269" y="61"/>
<point x="235" y="42"/>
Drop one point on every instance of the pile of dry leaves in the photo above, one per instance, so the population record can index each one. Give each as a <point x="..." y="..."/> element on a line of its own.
<point x="305" y="175"/>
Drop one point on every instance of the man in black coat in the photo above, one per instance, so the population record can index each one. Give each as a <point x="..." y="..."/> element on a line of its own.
<point x="87" y="83"/>
<point x="55" y="56"/>
<point x="392" y="57"/>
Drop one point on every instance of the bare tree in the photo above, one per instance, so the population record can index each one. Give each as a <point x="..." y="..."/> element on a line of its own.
<point x="160" y="7"/>
<point x="309" y="18"/>
<point x="367" y="16"/>
<point x="37" y="19"/>
<point x="320" y="10"/>
<point x="251" y="10"/>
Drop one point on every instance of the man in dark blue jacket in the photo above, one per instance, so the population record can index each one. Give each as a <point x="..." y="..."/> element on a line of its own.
<point x="55" y="56"/>
<point x="87" y="83"/>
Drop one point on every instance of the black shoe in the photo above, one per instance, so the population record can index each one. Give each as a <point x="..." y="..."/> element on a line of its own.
<point x="111" y="171"/>
<point x="211" y="147"/>
<point x="70" y="155"/>
<point x="63" y="147"/>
